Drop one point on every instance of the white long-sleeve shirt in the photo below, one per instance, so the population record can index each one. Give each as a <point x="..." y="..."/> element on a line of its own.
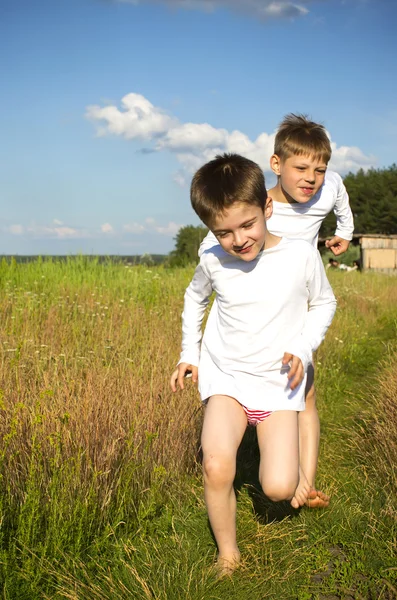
<point x="280" y="302"/>
<point x="303" y="221"/>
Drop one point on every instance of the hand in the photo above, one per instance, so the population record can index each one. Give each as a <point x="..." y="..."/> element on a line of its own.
<point x="337" y="245"/>
<point x="182" y="371"/>
<point x="296" y="372"/>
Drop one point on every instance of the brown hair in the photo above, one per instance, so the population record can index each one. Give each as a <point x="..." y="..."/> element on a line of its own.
<point x="298" y="135"/>
<point x="222" y="182"/>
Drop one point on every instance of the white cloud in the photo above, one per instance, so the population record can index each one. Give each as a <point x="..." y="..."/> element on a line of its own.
<point x="107" y="228"/>
<point x="170" y="229"/>
<point x="262" y="9"/>
<point x="57" y="222"/>
<point x="133" y="228"/>
<point x="137" y="119"/>
<point x="52" y="231"/>
<point x="193" y="144"/>
<point x="125" y="233"/>
<point x="349" y="158"/>
<point x="150" y="225"/>
<point x="60" y="232"/>
<point x="16" y="229"/>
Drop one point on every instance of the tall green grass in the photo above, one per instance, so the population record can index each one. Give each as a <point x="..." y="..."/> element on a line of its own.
<point x="100" y="480"/>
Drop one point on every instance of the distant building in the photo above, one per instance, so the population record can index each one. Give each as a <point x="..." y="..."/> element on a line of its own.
<point x="377" y="252"/>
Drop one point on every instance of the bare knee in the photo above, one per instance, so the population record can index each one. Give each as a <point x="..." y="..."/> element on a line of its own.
<point x="279" y="489"/>
<point x="219" y="470"/>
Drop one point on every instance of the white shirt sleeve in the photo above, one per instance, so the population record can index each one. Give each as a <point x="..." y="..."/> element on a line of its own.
<point x="208" y="242"/>
<point x="197" y="297"/>
<point x="343" y="213"/>
<point x="321" y="310"/>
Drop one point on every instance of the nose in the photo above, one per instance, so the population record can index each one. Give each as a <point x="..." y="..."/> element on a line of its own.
<point x="310" y="177"/>
<point x="239" y="239"/>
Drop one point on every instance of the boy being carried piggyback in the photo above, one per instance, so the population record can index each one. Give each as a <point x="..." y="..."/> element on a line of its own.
<point x="273" y="307"/>
<point x="305" y="193"/>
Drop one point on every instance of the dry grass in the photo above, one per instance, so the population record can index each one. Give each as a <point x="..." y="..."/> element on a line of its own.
<point x="88" y="422"/>
<point x="376" y="443"/>
<point x="95" y="448"/>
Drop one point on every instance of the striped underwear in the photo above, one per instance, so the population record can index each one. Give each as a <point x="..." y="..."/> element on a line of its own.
<point x="256" y="416"/>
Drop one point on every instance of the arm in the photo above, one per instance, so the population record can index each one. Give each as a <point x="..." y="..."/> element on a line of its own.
<point x="321" y="310"/>
<point x="208" y="242"/>
<point x="344" y="220"/>
<point x="197" y="297"/>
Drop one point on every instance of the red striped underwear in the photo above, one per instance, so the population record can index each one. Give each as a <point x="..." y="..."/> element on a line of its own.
<point x="256" y="416"/>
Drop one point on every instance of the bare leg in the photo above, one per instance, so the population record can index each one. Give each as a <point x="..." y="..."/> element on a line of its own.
<point x="278" y="440"/>
<point x="224" y="425"/>
<point x="309" y="437"/>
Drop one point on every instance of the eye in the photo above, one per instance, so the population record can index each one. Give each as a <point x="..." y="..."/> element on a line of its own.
<point x="300" y="168"/>
<point x="248" y="225"/>
<point x="222" y="234"/>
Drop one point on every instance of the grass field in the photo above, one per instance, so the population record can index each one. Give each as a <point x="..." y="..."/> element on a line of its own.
<point x="101" y="494"/>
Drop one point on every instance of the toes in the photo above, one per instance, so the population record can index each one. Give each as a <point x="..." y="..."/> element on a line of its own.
<point x="312" y="494"/>
<point x="323" y="496"/>
<point x="317" y="502"/>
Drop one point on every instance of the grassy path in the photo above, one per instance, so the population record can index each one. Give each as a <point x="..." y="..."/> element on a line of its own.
<point x="345" y="552"/>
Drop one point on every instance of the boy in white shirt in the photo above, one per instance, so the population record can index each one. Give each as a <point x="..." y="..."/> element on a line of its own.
<point x="273" y="307"/>
<point x="304" y="195"/>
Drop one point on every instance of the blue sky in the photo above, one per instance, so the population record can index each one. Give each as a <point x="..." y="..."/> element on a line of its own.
<point x="108" y="107"/>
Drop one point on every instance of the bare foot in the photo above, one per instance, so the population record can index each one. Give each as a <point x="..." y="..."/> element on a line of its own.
<point x="227" y="564"/>
<point x="317" y="499"/>
<point x="302" y="492"/>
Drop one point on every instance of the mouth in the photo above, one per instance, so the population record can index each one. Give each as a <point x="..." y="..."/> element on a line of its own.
<point x="244" y="250"/>
<point x="307" y="191"/>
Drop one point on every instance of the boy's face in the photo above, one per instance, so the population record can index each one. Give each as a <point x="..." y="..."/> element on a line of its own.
<point x="241" y="230"/>
<point x="300" y="177"/>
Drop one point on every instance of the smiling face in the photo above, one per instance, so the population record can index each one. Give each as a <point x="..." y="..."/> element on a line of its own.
<point x="299" y="177"/>
<point x="241" y="229"/>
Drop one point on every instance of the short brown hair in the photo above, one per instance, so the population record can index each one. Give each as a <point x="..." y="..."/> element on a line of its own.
<point x="225" y="180"/>
<point x="298" y="135"/>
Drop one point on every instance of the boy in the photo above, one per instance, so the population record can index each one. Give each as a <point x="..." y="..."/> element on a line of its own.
<point x="303" y="196"/>
<point x="258" y="340"/>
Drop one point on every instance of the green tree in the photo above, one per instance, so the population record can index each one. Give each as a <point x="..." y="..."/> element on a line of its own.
<point x="373" y="200"/>
<point x="187" y="243"/>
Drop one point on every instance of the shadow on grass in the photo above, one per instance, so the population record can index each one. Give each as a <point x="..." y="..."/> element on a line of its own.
<point x="247" y="471"/>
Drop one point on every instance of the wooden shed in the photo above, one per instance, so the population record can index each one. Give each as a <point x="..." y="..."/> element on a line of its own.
<point x="377" y="252"/>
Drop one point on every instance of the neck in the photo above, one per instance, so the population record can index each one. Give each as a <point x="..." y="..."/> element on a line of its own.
<point x="270" y="240"/>
<point x="278" y="194"/>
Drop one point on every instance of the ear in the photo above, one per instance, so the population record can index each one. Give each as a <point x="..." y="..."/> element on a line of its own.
<point x="268" y="208"/>
<point x="275" y="164"/>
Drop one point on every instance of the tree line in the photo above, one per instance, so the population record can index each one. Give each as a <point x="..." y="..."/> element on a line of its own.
<point x="373" y="200"/>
